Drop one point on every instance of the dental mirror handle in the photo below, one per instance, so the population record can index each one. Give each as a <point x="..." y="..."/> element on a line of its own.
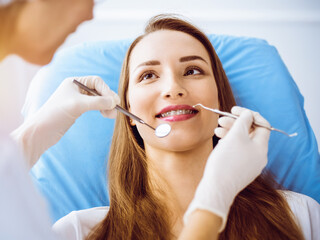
<point x="129" y="114"/>
<point x="120" y="109"/>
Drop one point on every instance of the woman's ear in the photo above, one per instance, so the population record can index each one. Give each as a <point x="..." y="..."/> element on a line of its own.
<point x="132" y="123"/>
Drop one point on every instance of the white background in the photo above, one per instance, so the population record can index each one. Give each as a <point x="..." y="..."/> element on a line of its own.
<point x="292" y="26"/>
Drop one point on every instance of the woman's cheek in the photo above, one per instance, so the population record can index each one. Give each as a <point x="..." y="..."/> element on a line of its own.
<point x="140" y="103"/>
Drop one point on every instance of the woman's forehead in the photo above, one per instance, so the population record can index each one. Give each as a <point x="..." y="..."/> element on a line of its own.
<point x="166" y="44"/>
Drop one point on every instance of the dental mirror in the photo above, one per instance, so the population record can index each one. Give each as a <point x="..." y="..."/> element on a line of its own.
<point x="161" y="131"/>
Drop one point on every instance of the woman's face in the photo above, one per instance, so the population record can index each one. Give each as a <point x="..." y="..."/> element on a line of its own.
<point x="170" y="71"/>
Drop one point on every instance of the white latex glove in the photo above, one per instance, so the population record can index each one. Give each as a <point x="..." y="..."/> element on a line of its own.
<point x="56" y="116"/>
<point x="234" y="163"/>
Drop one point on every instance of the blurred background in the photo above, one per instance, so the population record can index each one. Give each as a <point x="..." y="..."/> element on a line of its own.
<point x="292" y="26"/>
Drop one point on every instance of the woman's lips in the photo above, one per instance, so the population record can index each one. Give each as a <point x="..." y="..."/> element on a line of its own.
<point x="177" y="113"/>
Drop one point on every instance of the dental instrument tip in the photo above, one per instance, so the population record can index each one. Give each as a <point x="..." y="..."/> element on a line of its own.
<point x="293" y="134"/>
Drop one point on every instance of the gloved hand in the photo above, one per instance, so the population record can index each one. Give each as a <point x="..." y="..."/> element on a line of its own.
<point x="56" y="116"/>
<point x="234" y="163"/>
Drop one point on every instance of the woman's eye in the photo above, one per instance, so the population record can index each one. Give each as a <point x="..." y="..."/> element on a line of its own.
<point x="193" y="71"/>
<point x="148" y="75"/>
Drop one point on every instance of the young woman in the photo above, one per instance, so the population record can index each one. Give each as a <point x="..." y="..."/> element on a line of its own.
<point x="156" y="182"/>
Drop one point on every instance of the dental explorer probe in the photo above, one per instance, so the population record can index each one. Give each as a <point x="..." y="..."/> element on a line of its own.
<point x="161" y="131"/>
<point x="254" y="123"/>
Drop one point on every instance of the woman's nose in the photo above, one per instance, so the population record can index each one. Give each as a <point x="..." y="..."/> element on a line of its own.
<point x="173" y="90"/>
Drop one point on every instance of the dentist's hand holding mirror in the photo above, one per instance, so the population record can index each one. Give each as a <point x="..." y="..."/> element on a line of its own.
<point x="72" y="98"/>
<point x="56" y="116"/>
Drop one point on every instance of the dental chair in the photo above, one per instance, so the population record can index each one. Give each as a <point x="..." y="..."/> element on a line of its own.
<point x="72" y="173"/>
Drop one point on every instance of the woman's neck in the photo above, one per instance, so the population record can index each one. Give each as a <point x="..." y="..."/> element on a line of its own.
<point x="178" y="174"/>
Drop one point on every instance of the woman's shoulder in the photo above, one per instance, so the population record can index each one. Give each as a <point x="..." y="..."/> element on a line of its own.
<point x="306" y="211"/>
<point x="299" y="202"/>
<point x="77" y="224"/>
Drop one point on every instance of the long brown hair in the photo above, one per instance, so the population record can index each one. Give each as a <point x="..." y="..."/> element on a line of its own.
<point x="258" y="212"/>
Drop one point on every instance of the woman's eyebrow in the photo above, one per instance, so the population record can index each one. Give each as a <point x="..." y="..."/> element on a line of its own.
<point x="191" y="58"/>
<point x="149" y="63"/>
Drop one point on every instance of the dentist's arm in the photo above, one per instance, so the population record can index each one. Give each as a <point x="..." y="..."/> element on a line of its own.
<point x="201" y="225"/>
<point x="235" y="162"/>
<point x="56" y="116"/>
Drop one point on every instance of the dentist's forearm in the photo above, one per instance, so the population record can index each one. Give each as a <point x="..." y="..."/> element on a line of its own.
<point x="37" y="134"/>
<point x="201" y="225"/>
<point x="28" y="139"/>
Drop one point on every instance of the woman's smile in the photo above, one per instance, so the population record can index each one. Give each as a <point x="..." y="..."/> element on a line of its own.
<point x="175" y="113"/>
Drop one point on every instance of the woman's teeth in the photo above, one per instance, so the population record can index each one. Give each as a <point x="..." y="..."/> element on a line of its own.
<point x="177" y="112"/>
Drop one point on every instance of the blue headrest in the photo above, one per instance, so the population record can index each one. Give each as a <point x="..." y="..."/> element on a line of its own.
<point x="72" y="174"/>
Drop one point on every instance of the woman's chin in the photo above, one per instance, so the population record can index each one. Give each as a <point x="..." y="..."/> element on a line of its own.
<point x="176" y="142"/>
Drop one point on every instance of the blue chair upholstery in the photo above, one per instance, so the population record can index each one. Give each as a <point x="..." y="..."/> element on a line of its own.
<point x="72" y="174"/>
